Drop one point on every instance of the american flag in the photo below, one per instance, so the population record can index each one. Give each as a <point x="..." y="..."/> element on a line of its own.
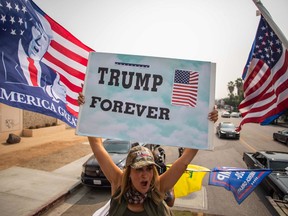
<point x="185" y="88"/>
<point x="265" y="78"/>
<point x="62" y="66"/>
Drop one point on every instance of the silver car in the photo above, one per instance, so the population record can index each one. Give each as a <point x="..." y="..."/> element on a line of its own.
<point x="225" y="114"/>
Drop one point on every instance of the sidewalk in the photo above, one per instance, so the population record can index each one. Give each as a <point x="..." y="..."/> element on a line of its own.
<point x="25" y="192"/>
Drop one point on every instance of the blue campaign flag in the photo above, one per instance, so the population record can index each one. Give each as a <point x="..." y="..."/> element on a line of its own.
<point x="241" y="182"/>
<point x="42" y="65"/>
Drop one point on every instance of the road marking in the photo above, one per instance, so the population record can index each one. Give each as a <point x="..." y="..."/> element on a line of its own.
<point x="247" y="145"/>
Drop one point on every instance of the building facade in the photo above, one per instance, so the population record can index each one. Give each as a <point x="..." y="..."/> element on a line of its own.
<point x="14" y="120"/>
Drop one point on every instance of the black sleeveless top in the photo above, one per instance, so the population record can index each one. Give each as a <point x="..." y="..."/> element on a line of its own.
<point x="128" y="212"/>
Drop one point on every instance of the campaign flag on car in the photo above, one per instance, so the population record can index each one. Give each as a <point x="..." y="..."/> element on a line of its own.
<point x="241" y="182"/>
<point x="42" y="65"/>
<point x="265" y="78"/>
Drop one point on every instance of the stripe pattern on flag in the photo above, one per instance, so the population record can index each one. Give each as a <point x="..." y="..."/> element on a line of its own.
<point x="185" y="88"/>
<point x="69" y="57"/>
<point x="265" y="78"/>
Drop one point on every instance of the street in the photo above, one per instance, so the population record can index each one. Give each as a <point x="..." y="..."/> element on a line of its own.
<point x="213" y="200"/>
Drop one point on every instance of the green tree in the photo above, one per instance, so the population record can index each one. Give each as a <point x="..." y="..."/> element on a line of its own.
<point x="234" y="99"/>
<point x="231" y="87"/>
<point x="239" y="86"/>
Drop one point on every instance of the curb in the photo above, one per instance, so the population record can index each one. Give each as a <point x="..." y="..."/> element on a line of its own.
<point x="57" y="200"/>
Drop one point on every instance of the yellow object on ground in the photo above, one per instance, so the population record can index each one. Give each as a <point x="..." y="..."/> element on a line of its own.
<point x="190" y="181"/>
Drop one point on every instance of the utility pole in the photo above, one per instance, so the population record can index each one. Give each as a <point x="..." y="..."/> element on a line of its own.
<point x="271" y="22"/>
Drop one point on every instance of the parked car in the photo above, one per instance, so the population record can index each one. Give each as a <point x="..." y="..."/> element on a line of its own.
<point x="227" y="130"/>
<point x="276" y="183"/>
<point x="281" y="136"/>
<point x="118" y="150"/>
<point x="235" y="115"/>
<point x="225" y="114"/>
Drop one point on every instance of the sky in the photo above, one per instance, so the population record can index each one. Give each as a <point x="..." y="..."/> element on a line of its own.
<point x="218" y="31"/>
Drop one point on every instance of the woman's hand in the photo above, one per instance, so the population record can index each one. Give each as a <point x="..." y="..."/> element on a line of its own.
<point x="81" y="98"/>
<point x="213" y="116"/>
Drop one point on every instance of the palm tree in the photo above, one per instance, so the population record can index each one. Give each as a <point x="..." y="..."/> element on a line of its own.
<point x="239" y="86"/>
<point x="231" y="87"/>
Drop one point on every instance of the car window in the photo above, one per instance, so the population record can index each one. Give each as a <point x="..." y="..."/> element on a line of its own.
<point x="134" y="144"/>
<point x="261" y="159"/>
<point x="228" y="126"/>
<point x="281" y="165"/>
<point x="120" y="147"/>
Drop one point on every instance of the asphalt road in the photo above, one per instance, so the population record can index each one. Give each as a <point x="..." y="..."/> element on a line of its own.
<point x="213" y="200"/>
<point x="229" y="153"/>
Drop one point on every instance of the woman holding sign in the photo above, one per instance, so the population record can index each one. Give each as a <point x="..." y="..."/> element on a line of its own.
<point x="138" y="189"/>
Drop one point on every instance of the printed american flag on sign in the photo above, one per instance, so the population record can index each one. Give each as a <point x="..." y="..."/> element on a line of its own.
<point x="265" y="78"/>
<point x="185" y="88"/>
<point x="42" y="64"/>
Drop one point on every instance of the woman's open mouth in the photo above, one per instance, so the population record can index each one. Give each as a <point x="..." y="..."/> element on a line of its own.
<point x="144" y="183"/>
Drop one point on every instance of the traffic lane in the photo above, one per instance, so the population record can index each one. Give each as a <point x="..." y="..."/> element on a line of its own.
<point x="263" y="140"/>
<point x="259" y="137"/>
<point x="228" y="152"/>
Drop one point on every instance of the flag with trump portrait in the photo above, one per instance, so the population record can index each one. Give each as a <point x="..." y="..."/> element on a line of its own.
<point x="265" y="78"/>
<point x="42" y="65"/>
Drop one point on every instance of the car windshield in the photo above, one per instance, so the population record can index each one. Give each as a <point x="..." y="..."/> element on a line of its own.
<point x="280" y="165"/>
<point x="228" y="126"/>
<point x="121" y="147"/>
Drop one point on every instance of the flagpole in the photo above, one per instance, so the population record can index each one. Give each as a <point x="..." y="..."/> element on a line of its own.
<point x="272" y="24"/>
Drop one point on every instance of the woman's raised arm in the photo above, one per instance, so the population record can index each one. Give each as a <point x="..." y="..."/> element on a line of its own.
<point x="110" y="170"/>
<point x="171" y="176"/>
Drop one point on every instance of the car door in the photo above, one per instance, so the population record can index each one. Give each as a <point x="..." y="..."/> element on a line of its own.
<point x="283" y="135"/>
<point x="261" y="161"/>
